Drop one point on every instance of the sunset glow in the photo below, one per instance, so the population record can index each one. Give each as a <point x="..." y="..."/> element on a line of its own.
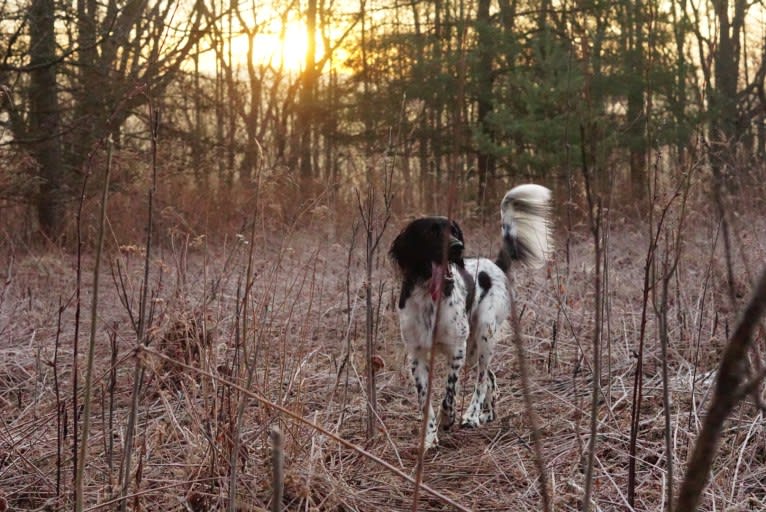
<point x="287" y="52"/>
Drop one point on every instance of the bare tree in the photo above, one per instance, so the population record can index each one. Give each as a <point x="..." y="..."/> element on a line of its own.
<point x="115" y="52"/>
<point x="43" y="131"/>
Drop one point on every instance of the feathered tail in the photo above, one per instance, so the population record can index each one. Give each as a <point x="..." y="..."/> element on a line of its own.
<point x="524" y="214"/>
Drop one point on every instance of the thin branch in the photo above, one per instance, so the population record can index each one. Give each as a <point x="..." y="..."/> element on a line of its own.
<point x="537" y="442"/>
<point x="727" y="394"/>
<point x="300" y="419"/>
<point x="78" y="492"/>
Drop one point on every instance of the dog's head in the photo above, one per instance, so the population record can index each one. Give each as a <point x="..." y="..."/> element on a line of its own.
<point x="421" y="246"/>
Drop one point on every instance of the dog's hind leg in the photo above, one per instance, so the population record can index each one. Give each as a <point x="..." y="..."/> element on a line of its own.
<point x="482" y="399"/>
<point x="488" y="408"/>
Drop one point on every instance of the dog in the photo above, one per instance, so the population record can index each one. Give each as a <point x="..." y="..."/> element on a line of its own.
<point x="471" y="295"/>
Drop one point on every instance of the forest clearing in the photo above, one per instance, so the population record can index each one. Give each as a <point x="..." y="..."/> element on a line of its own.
<point x="198" y="301"/>
<point x="297" y="339"/>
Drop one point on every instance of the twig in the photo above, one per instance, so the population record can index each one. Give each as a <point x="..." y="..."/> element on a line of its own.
<point x="300" y="419"/>
<point x="530" y="408"/>
<point x="374" y="228"/>
<point x="671" y="257"/>
<point x="59" y="406"/>
<point x="78" y="492"/>
<point x="138" y="374"/>
<point x="595" y="217"/>
<point x="434" y="332"/>
<point x="638" y="378"/>
<point x="728" y="393"/>
<point x="76" y="336"/>
<point x="277" y="468"/>
<point x="427" y="404"/>
<point x="250" y="363"/>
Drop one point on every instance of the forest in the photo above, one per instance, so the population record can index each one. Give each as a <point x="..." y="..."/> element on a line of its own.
<point x="197" y="307"/>
<point x="307" y="100"/>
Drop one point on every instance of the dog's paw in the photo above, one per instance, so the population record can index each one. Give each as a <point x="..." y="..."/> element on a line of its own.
<point x="432" y="440"/>
<point x="470" y="422"/>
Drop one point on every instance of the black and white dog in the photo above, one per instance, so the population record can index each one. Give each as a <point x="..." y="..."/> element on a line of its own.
<point x="473" y="294"/>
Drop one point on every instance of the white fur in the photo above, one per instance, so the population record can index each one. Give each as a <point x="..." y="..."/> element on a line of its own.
<point x="471" y="335"/>
<point x="524" y="215"/>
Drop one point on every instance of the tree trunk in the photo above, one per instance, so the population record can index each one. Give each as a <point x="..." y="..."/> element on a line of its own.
<point x="636" y="116"/>
<point x="44" y="116"/>
<point x="308" y="90"/>
<point x="723" y="99"/>
<point x="485" y="158"/>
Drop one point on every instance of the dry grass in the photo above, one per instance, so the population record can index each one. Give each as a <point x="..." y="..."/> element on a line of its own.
<point x="301" y="318"/>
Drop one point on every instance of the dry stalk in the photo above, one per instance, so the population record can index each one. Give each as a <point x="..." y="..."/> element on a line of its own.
<point x="729" y="391"/>
<point x="673" y="247"/>
<point x="638" y="378"/>
<point x="143" y="349"/>
<point x="596" y="220"/>
<point x="537" y="442"/>
<point x="237" y="425"/>
<point x="138" y="372"/>
<point x="669" y="268"/>
<point x="701" y="307"/>
<point x="424" y="423"/>
<point x="60" y="406"/>
<point x="426" y="406"/>
<point x="350" y="309"/>
<point x="80" y="475"/>
<point x="374" y="224"/>
<point x="76" y="336"/>
<point x="277" y="468"/>
<point x="112" y="389"/>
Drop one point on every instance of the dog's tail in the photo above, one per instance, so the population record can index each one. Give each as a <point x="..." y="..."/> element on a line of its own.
<point x="524" y="213"/>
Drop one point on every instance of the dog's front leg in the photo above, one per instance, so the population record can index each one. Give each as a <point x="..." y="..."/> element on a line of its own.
<point x="448" y="404"/>
<point x="420" y="374"/>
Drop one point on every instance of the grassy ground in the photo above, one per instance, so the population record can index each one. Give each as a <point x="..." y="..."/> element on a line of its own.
<point x="300" y="339"/>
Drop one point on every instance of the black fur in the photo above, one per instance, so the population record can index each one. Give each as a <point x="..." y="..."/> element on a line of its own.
<point x="485" y="283"/>
<point x="421" y="243"/>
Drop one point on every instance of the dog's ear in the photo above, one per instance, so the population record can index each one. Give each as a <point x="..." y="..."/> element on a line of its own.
<point x="395" y="252"/>
<point x="456" y="231"/>
<point x="401" y="251"/>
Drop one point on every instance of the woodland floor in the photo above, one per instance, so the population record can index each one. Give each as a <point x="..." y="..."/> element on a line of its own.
<point x="304" y="327"/>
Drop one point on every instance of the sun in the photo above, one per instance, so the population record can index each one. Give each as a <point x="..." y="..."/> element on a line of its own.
<point x="280" y="47"/>
<point x="287" y="50"/>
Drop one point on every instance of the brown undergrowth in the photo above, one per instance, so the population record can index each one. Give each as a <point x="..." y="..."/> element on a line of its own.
<point x="301" y="339"/>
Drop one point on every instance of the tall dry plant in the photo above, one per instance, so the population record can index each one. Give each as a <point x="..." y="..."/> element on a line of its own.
<point x="596" y="220"/>
<point x="529" y="407"/>
<point x="250" y="363"/>
<point x="87" y="390"/>
<point x="671" y="255"/>
<point x="296" y="418"/>
<point x="658" y="225"/>
<point x="375" y="213"/>
<point x="141" y="326"/>
<point x="374" y="223"/>
<point x="730" y="389"/>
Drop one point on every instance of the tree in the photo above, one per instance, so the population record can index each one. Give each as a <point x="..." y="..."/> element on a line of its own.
<point x="484" y="73"/>
<point x="44" y="123"/>
<point x="121" y="53"/>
